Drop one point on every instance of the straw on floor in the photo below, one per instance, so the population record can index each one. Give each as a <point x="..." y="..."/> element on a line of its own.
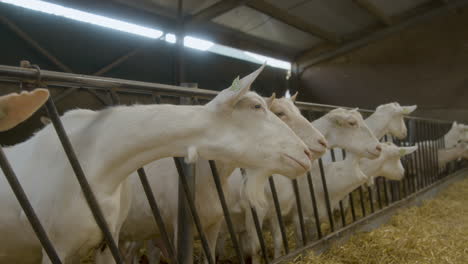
<point x="436" y="232"/>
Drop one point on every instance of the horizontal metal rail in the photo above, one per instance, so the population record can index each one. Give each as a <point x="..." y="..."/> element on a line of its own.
<point x="12" y="73"/>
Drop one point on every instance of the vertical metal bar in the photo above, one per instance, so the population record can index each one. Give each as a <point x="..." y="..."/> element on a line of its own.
<point x="434" y="150"/>
<point x="379" y="198"/>
<point x="326" y="195"/>
<point x="157" y="214"/>
<point x="185" y="232"/>
<point x="85" y="187"/>
<point x="371" y="199"/>
<point x="387" y="201"/>
<point x="431" y="150"/>
<point x="422" y="166"/>
<point x="342" y="213"/>
<point x="314" y="205"/>
<point x="278" y="214"/>
<point x="427" y="166"/>
<point x="361" y="197"/>
<point x="351" y="201"/>
<point x="28" y="209"/>
<point x="193" y="210"/>
<point x="258" y="228"/>
<point x="353" y="209"/>
<point x="185" y="236"/>
<point x="439" y="146"/>
<point x="299" y="211"/>
<point x="227" y="215"/>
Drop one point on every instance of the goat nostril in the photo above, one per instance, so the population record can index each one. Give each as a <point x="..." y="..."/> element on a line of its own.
<point x="378" y="148"/>
<point x="323" y="143"/>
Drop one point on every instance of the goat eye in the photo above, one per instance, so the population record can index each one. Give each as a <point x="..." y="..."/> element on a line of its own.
<point x="352" y="124"/>
<point x="280" y="114"/>
<point x="257" y="106"/>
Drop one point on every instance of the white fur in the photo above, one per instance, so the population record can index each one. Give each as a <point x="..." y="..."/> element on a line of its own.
<point x="341" y="128"/>
<point x="140" y="224"/>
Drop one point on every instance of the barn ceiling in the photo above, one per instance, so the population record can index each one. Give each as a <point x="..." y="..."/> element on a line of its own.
<point x="302" y="31"/>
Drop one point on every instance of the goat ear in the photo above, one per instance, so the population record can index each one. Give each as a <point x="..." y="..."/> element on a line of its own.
<point x="228" y="97"/>
<point x="340" y="119"/>
<point x="407" y="150"/>
<point x="15" y="108"/>
<point x="269" y="101"/>
<point x="406" y="110"/>
<point x="293" y="98"/>
<point x="454" y="124"/>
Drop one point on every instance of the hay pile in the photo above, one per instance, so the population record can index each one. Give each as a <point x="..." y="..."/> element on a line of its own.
<point x="436" y="232"/>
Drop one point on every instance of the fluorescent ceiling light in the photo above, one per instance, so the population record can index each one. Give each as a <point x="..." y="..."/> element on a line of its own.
<point x="189" y="41"/>
<point x="270" y="61"/>
<point x="171" y="38"/>
<point x="196" y="43"/>
<point x="86" y="17"/>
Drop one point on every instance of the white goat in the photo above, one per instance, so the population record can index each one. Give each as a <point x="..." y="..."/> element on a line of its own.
<point x="343" y="128"/>
<point x="447" y="155"/>
<point x="113" y="143"/>
<point x="140" y="224"/>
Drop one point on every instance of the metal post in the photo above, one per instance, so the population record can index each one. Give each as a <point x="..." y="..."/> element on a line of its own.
<point x="371" y="199"/>
<point x="351" y="201"/>
<point x="85" y="187"/>
<point x="28" y="209"/>
<point x="185" y="234"/>
<point x="299" y="211"/>
<point x="258" y="228"/>
<point x="342" y="213"/>
<point x="387" y="200"/>
<point x="326" y="195"/>
<point x="196" y="219"/>
<point x="379" y="192"/>
<point x="227" y="215"/>
<point x="361" y="197"/>
<point x="314" y="205"/>
<point x="279" y="215"/>
<point x="157" y="214"/>
<point x="185" y="240"/>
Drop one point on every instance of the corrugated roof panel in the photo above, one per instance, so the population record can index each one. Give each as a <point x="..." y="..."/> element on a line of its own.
<point x="395" y="7"/>
<point x="341" y="17"/>
<point x="252" y="22"/>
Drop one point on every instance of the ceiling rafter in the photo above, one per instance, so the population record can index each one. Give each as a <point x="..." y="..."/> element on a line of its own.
<point x="214" y="11"/>
<point x="375" y="11"/>
<point x="291" y="20"/>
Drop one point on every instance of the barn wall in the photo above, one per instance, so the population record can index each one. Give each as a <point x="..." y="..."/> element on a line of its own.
<point x="426" y="64"/>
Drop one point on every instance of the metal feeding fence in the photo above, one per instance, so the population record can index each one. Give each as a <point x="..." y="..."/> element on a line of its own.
<point x="428" y="133"/>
